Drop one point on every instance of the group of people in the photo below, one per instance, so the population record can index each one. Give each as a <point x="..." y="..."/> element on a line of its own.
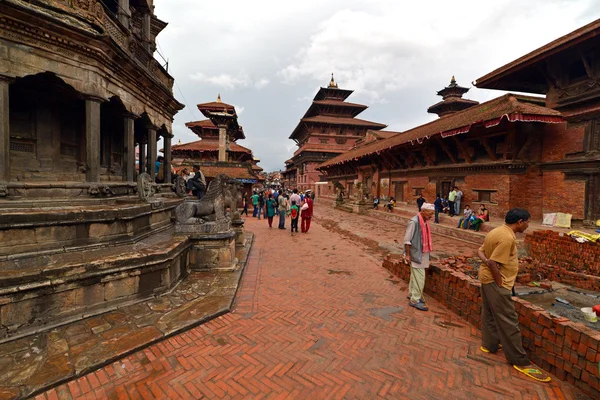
<point x="389" y="206"/>
<point x="271" y="203"/>
<point x="497" y="274"/>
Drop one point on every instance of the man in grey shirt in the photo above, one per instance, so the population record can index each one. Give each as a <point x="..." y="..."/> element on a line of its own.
<point x="459" y="196"/>
<point x="283" y="204"/>
<point x="417" y="246"/>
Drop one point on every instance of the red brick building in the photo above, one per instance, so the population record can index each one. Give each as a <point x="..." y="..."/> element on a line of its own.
<point x="328" y="128"/>
<point x="497" y="152"/>
<point x="567" y="71"/>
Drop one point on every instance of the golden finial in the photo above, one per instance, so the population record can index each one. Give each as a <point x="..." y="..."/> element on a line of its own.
<point x="219" y="98"/>
<point x="179" y="142"/>
<point x="452" y="81"/>
<point x="332" y="83"/>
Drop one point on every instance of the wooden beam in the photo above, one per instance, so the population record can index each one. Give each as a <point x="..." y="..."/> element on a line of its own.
<point x="463" y="150"/>
<point x="530" y="139"/>
<point x="446" y="149"/>
<point x="386" y="158"/>
<point x="487" y="147"/>
<point x="510" y="144"/>
<point x="428" y="159"/>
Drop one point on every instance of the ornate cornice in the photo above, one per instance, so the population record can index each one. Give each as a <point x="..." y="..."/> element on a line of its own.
<point x="75" y="43"/>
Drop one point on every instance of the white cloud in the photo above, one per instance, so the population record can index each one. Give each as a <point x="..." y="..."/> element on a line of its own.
<point x="226" y="81"/>
<point x="261" y="83"/>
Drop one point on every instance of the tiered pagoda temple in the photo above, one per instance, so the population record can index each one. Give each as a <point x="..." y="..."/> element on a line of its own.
<point x="328" y="128"/>
<point x="452" y="100"/>
<point x="217" y="151"/>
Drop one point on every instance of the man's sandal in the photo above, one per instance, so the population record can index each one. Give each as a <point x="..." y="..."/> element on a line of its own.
<point x="534" y="373"/>
<point x="487" y="351"/>
<point x="419" y="305"/>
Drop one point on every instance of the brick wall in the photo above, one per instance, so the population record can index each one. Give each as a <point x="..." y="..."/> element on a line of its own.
<point x="564" y="253"/>
<point x="567" y="196"/>
<point x="569" y="350"/>
<point x="558" y="141"/>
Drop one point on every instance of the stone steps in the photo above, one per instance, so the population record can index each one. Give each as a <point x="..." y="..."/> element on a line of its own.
<point x="40" y="292"/>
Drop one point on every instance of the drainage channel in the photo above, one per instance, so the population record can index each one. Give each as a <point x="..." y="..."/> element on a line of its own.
<point x="562" y="300"/>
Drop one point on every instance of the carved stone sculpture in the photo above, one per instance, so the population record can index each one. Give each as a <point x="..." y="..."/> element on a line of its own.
<point x="222" y="192"/>
<point x="145" y="186"/>
<point x="180" y="186"/>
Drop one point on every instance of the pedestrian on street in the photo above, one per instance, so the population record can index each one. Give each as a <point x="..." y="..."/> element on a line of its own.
<point x="451" y="200"/>
<point x="261" y="203"/>
<point x="459" y="196"/>
<point x="438" y="208"/>
<point x="294" y="215"/>
<point x="276" y="194"/>
<point x="283" y="206"/>
<point x="254" y="204"/>
<point x="306" y="214"/>
<point x="295" y="197"/>
<point x="420" y="201"/>
<point x="417" y="246"/>
<point x="497" y="274"/>
<point x="245" y="203"/>
<point x="270" y="207"/>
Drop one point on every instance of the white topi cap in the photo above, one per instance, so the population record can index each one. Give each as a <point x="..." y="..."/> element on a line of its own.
<point x="428" y="206"/>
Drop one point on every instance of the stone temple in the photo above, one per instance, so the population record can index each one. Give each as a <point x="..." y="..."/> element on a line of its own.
<point x="83" y="226"/>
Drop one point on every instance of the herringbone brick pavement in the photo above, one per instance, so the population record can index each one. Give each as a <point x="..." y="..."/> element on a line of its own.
<point x="317" y="317"/>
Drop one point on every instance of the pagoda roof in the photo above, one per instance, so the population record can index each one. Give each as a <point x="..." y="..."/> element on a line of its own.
<point x="216" y="106"/>
<point x="354" y="107"/>
<point x="514" y="108"/>
<point x="523" y="74"/>
<point x="329" y="93"/>
<point x="211" y="171"/>
<point x="451" y="104"/>
<point x="320" y="148"/>
<point x="198" y="126"/>
<point x="331" y="120"/>
<point x="208" y="145"/>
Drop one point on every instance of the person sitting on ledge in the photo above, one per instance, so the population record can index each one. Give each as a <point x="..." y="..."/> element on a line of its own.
<point x="391" y="204"/>
<point x="482" y="215"/>
<point x="375" y="203"/>
<point x="465" y="221"/>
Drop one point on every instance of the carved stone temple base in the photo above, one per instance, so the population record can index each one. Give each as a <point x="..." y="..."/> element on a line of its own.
<point x="213" y="251"/>
<point x="240" y="235"/>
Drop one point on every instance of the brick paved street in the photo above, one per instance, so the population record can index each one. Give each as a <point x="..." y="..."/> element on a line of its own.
<point x="318" y="317"/>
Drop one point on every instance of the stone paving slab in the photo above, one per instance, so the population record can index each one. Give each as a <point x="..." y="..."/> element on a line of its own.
<point x="317" y="317"/>
<point x="38" y="362"/>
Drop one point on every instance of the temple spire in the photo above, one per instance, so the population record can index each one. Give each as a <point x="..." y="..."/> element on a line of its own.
<point x="332" y="84"/>
<point x="452" y="100"/>
<point x="219" y="98"/>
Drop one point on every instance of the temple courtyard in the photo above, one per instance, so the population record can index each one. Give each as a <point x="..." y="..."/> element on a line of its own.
<point x="316" y="316"/>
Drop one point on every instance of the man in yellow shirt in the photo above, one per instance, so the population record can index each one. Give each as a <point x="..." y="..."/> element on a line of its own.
<point x="499" y="321"/>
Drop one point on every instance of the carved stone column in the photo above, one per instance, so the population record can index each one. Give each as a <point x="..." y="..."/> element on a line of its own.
<point x="4" y="132"/>
<point x="152" y="152"/>
<point x="92" y="139"/>
<point x="167" y="166"/>
<point x="222" y="143"/>
<point x="129" y="142"/>
<point x="124" y="13"/>
<point x="142" y="156"/>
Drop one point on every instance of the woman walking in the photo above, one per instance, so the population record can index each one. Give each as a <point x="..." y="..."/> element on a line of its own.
<point x="270" y="207"/>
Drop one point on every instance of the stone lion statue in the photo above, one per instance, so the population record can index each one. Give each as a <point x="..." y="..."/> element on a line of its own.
<point x="222" y="193"/>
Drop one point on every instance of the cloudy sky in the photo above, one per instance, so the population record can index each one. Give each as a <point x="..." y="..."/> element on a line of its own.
<point x="268" y="58"/>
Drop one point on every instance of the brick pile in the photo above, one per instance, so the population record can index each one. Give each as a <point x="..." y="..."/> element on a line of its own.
<point x="569" y="350"/>
<point x="562" y="259"/>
